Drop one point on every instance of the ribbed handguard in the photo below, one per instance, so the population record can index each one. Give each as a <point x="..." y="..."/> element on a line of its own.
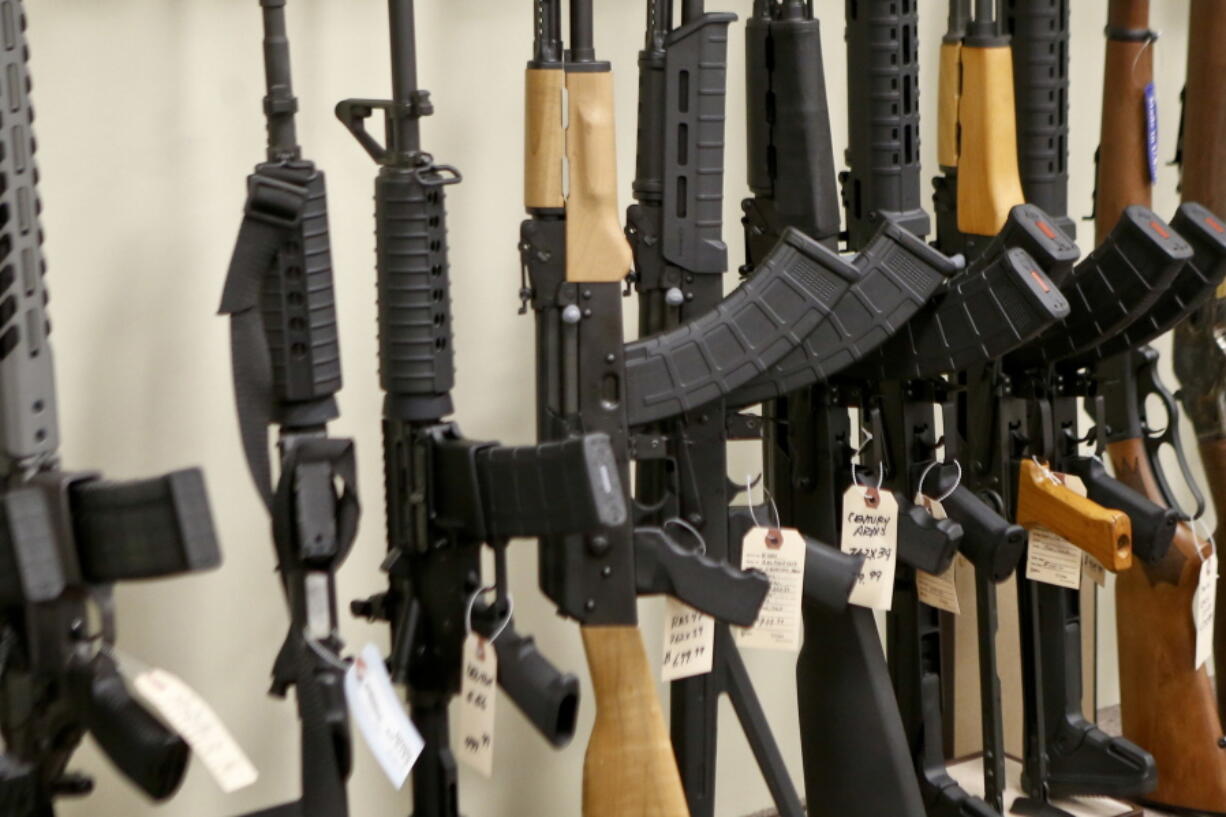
<point x="790" y="152"/>
<point x="148" y="753"/>
<point x="893" y="277"/>
<point x="883" y="146"/>
<point x="696" y="66"/>
<point x="150" y="528"/>
<point x="798" y="286"/>
<point x="1040" y="41"/>
<point x="987" y="312"/>
<point x="1113" y="287"/>
<point x="297" y="298"/>
<point x="1193" y="286"/>
<point x="415" y="353"/>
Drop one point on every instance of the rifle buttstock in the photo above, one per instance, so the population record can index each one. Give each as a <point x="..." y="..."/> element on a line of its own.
<point x="1101" y="532"/>
<point x="544" y="140"/>
<point x="989" y="183"/>
<point x="596" y="247"/>
<point x="629" y="769"/>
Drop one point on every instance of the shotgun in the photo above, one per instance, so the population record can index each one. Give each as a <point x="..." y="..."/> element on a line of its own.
<point x="68" y="536"/>
<point x="1156" y="640"/>
<point x="286" y="360"/>
<point x="447" y="495"/>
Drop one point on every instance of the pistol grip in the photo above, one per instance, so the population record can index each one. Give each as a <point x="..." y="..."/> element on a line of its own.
<point x="1103" y="533"/>
<point x="596" y="247"/>
<point x="925" y="542"/>
<point x="989" y="183"/>
<point x="629" y="769"/>
<point x="544" y="139"/>
<point x="1153" y="526"/>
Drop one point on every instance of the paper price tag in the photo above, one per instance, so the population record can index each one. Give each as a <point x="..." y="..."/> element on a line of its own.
<point x="939" y="591"/>
<point x="196" y="722"/>
<point x="478" y="695"/>
<point x="1204" y="607"/>
<point x="1094" y="569"/>
<point x="1052" y="559"/>
<point x="689" y="641"/>
<point x="380" y="717"/>
<point x="780" y="554"/>
<point x="870" y="529"/>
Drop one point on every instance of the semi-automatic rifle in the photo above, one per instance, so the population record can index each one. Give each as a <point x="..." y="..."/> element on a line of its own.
<point x="1157" y="641"/>
<point x="679" y="257"/>
<point x="68" y="536"/>
<point x="447" y="495"/>
<point x="286" y="358"/>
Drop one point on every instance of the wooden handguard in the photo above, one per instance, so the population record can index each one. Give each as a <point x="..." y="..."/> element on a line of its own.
<point x="596" y="248"/>
<point x="1101" y="532"/>
<point x="1204" y="132"/>
<point x="544" y="139"/>
<point x="949" y="95"/>
<point x="1123" y="164"/>
<point x="630" y="769"/>
<point x="989" y="183"/>
<point x="1166" y="706"/>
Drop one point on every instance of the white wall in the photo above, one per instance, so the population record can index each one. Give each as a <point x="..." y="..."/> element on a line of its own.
<point x="149" y="119"/>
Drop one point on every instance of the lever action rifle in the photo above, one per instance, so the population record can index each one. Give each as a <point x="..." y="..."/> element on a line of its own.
<point x="679" y="256"/>
<point x="1182" y="726"/>
<point x="67" y="537"/>
<point x="286" y="359"/>
<point x="447" y="495"/>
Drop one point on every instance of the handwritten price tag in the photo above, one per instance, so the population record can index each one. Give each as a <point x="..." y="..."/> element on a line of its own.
<point x="196" y="722"/>
<point x="389" y="733"/>
<point x="478" y="694"/>
<point x="780" y="554"/>
<point x="1204" y="607"/>
<point x="689" y="641"/>
<point x="870" y="529"/>
<point x="1052" y="559"/>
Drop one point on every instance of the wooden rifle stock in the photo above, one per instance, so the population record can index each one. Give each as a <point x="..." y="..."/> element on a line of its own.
<point x="949" y="94"/>
<point x="1123" y="172"/>
<point x="1167" y="706"/>
<point x="1203" y="153"/>
<point x="989" y="184"/>
<point x="629" y="769"/>
<point x="1103" y="533"/>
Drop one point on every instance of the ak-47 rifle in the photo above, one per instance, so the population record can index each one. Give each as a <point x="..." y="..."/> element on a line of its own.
<point x="67" y="537"/>
<point x="1181" y="726"/>
<point x="447" y="495"/>
<point x="286" y="358"/>
<point x="679" y="255"/>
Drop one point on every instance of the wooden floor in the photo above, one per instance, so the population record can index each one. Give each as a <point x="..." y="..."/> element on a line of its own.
<point x="1108" y="719"/>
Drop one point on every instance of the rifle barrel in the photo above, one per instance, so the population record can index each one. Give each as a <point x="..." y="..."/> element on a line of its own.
<point x="582" y="48"/>
<point x="280" y="105"/>
<point x="404" y="78"/>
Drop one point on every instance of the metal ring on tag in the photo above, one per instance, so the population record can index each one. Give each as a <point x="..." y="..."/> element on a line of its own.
<point x="1047" y="472"/>
<point x="1206" y="537"/>
<point x="326" y="654"/>
<point x="681" y="523"/>
<point x="855" y="478"/>
<point x="950" y="492"/>
<point x="472" y="601"/>
<point x="766" y="497"/>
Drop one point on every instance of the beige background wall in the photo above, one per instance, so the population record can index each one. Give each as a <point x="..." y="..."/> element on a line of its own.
<point x="149" y="119"/>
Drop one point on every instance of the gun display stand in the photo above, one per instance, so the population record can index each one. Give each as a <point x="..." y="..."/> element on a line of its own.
<point x="969" y="774"/>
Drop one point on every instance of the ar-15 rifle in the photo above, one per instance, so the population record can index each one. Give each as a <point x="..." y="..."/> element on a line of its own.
<point x="679" y="255"/>
<point x="447" y="495"/>
<point x="286" y="359"/>
<point x="67" y="537"/>
<point x="1156" y="637"/>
